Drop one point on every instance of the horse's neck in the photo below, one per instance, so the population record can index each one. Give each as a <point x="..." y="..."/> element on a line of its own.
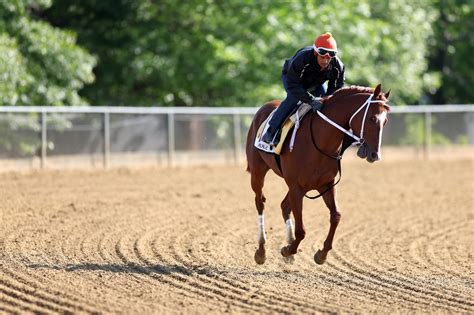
<point x="340" y="112"/>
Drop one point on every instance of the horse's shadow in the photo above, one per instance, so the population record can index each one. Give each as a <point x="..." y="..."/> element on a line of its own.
<point x="165" y="269"/>
<point x="119" y="268"/>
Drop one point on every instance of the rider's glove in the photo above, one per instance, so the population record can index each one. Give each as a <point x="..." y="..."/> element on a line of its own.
<point x="316" y="104"/>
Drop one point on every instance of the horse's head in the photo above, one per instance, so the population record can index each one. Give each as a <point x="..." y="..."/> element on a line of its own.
<point x="369" y="125"/>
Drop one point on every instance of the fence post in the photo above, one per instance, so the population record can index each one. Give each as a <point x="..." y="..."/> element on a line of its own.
<point x="44" y="138"/>
<point x="427" y="146"/>
<point x="106" y="123"/>
<point x="237" y="138"/>
<point x="171" y="140"/>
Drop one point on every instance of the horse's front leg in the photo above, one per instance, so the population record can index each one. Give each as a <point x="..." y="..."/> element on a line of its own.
<point x="289" y="226"/>
<point x="330" y="200"/>
<point x="296" y="204"/>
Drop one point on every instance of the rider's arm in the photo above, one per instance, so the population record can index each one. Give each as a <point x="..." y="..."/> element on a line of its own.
<point x="294" y="73"/>
<point x="338" y="77"/>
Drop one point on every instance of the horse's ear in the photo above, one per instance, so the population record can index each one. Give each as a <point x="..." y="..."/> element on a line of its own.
<point x="377" y="90"/>
<point x="387" y="94"/>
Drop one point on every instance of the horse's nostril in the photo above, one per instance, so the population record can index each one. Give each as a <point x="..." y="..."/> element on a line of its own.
<point x="375" y="155"/>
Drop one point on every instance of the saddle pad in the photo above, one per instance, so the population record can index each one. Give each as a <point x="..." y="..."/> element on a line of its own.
<point x="287" y="125"/>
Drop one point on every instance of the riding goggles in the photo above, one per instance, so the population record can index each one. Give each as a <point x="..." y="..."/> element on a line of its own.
<point x="323" y="52"/>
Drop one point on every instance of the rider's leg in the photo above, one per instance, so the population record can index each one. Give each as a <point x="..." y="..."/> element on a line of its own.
<point x="282" y="112"/>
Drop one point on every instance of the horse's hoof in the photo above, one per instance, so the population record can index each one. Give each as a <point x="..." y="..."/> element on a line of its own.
<point x="289" y="260"/>
<point x="320" y="257"/>
<point x="285" y="251"/>
<point x="260" y="256"/>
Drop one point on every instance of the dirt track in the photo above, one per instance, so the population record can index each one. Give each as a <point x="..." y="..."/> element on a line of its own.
<point x="182" y="240"/>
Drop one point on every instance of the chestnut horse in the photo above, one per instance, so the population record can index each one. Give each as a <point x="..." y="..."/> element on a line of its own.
<point x="359" y="112"/>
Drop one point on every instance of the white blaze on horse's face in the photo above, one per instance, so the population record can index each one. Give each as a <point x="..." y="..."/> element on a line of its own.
<point x="374" y="133"/>
<point x="381" y="119"/>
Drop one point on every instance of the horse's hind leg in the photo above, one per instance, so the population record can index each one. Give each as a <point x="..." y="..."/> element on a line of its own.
<point x="257" y="180"/>
<point x="330" y="201"/>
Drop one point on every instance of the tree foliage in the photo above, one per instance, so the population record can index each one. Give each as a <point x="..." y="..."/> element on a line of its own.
<point x="231" y="53"/>
<point x="451" y="51"/>
<point x="226" y="53"/>
<point x="39" y="64"/>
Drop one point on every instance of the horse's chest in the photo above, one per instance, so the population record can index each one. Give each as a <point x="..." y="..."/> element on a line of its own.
<point x="319" y="178"/>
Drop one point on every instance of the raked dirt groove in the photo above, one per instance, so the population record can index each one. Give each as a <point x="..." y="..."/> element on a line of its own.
<point x="182" y="240"/>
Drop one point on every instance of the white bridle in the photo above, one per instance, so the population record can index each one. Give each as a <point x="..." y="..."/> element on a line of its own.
<point x="359" y="139"/>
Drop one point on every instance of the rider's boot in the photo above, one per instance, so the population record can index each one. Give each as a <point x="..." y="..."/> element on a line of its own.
<point x="269" y="136"/>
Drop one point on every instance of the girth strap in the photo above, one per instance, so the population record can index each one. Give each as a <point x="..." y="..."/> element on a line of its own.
<point x="330" y="187"/>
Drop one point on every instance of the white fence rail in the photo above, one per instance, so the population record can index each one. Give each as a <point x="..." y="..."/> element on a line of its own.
<point x="46" y="119"/>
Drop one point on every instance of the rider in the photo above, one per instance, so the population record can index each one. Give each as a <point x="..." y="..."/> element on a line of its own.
<point x="303" y="77"/>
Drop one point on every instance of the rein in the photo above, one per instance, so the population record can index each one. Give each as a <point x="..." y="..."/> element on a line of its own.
<point x="359" y="140"/>
<point x="338" y="158"/>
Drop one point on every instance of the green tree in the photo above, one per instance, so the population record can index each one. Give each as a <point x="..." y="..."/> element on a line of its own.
<point x="379" y="41"/>
<point x="451" y="51"/>
<point x="15" y="79"/>
<point x="167" y="52"/>
<point x="39" y="64"/>
<point x="214" y="53"/>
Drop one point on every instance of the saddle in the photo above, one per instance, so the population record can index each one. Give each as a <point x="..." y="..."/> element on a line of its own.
<point x="290" y="122"/>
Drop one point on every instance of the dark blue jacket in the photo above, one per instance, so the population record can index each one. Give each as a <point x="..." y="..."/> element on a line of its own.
<point x="303" y="73"/>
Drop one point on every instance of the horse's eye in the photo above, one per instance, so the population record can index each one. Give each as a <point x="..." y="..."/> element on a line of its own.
<point x="373" y="118"/>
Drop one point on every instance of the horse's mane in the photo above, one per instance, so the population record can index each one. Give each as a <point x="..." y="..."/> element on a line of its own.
<point x="350" y="90"/>
<point x="353" y="89"/>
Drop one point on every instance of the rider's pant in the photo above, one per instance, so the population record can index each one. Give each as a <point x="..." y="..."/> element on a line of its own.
<point x="289" y="104"/>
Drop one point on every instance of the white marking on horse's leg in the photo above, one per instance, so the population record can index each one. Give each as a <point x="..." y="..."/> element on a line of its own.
<point x="290" y="231"/>
<point x="381" y="119"/>
<point x="261" y="236"/>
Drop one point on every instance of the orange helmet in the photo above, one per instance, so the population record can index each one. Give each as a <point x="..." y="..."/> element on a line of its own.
<point x="325" y="41"/>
